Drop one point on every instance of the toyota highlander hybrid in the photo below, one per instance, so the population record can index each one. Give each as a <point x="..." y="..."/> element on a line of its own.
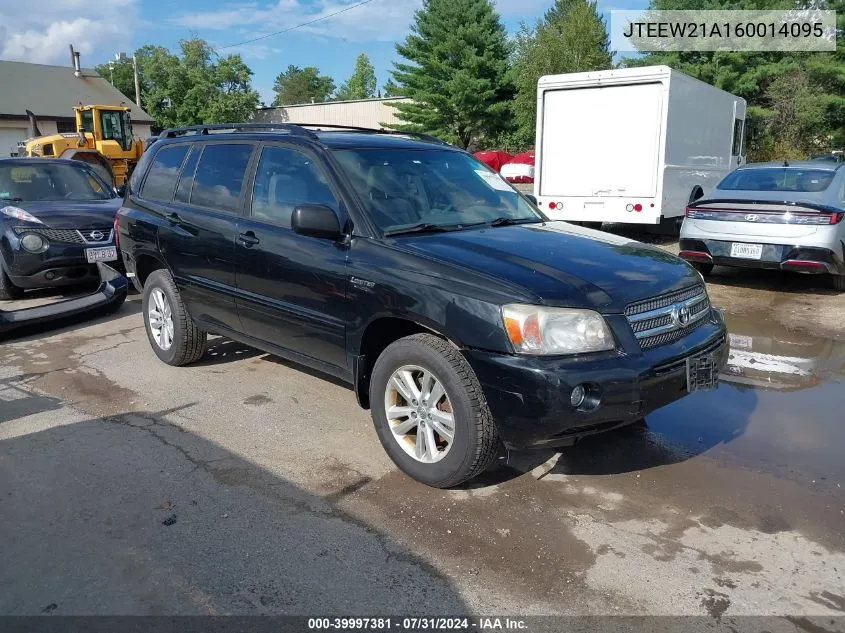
<point x="463" y="318"/>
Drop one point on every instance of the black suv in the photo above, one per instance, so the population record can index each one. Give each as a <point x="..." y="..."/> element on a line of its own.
<point x="462" y="316"/>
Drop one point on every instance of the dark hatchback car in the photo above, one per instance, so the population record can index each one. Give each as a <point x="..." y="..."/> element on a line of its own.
<point x="463" y="317"/>
<point x="56" y="223"/>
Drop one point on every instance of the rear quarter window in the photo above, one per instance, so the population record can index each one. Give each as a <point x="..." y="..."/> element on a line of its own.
<point x="220" y="176"/>
<point x="161" y="180"/>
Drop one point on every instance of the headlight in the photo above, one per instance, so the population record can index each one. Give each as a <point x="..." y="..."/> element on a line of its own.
<point x="33" y="243"/>
<point x="539" y="330"/>
<point x="19" y="214"/>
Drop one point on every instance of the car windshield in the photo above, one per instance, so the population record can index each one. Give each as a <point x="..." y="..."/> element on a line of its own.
<point x="50" y="181"/>
<point x="431" y="189"/>
<point x="778" y="179"/>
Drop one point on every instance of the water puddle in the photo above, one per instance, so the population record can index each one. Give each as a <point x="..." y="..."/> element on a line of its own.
<point x="780" y="405"/>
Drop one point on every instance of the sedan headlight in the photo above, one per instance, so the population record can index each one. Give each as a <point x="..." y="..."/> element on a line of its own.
<point x="540" y="330"/>
<point x="19" y="214"/>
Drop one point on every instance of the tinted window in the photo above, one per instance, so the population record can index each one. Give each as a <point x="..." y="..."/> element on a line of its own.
<point x="775" y="179"/>
<point x="285" y="179"/>
<point x="186" y="182"/>
<point x="220" y="176"/>
<point x="739" y="125"/>
<point x="161" y="181"/>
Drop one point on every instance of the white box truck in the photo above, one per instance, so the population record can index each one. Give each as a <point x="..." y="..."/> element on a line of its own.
<point x="632" y="145"/>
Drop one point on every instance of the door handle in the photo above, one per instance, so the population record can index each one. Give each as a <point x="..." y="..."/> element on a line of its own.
<point x="174" y="218"/>
<point x="248" y="239"/>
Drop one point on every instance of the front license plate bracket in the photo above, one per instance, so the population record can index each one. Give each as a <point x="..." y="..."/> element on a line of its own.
<point x="702" y="373"/>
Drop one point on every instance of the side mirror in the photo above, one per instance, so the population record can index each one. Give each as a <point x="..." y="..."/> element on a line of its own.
<point x="531" y="199"/>
<point x="120" y="190"/>
<point x="316" y="220"/>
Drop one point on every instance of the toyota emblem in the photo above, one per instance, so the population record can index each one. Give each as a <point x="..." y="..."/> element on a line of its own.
<point x="683" y="315"/>
<point x="752" y="217"/>
<point x="97" y="236"/>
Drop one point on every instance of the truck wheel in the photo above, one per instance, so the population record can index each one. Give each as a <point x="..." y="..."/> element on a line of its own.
<point x="8" y="290"/>
<point x="430" y="412"/>
<point x="173" y="335"/>
<point x="704" y="269"/>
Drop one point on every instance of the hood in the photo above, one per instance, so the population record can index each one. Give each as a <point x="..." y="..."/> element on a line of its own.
<point x="561" y="264"/>
<point x="72" y="214"/>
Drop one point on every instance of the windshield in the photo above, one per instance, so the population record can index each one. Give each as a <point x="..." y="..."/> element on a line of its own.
<point x="778" y="179"/>
<point x="113" y="123"/>
<point x="436" y="188"/>
<point x="50" y="182"/>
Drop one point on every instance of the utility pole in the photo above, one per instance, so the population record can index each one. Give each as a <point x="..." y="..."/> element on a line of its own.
<point x="122" y="56"/>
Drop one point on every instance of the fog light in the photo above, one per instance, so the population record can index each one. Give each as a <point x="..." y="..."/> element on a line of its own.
<point x="32" y="242"/>
<point x="49" y="275"/>
<point x="576" y="398"/>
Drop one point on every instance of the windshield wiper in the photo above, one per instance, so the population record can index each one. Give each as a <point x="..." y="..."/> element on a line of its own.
<point x="505" y="221"/>
<point x="423" y="227"/>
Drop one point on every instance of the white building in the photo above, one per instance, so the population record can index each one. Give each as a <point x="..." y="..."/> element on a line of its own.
<point x="51" y="92"/>
<point x="368" y="113"/>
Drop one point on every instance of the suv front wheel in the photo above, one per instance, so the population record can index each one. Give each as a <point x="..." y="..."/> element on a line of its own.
<point x="430" y="412"/>
<point x="174" y="336"/>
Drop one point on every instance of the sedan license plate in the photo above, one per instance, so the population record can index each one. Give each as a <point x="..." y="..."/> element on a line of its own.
<point x="746" y="251"/>
<point x="102" y="254"/>
<point x="702" y="372"/>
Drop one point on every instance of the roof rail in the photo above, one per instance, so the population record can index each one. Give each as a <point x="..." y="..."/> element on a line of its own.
<point x="236" y="127"/>
<point x="368" y="130"/>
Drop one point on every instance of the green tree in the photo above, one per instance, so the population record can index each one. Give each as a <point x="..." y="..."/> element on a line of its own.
<point x="362" y="84"/>
<point x="302" y="85"/>
<point x="455" y="71"/>
<point x="572" y="37"/>
<point x="121" y="74"/>
<point x="195" y="87"/>
<point x="796" y="100"/>
<point x="390" y="89"/>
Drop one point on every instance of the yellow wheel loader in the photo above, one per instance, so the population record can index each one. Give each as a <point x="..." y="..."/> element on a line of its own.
<point x="103" y="139"/>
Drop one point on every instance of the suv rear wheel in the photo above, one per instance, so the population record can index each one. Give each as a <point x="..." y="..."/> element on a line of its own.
<point x="838" y="282"/>
<point x="8" y="290"/>
<point x="430" y="413"/>
<point x="704" y="269"/>
<point x="174" y="336"/>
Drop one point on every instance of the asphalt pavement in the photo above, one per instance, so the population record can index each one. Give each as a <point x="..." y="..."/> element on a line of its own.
<point x="245" y="485"/>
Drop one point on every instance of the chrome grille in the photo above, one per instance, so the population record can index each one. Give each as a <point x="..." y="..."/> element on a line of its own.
<point x="70" y="236"/>
<point x="668" y="318"/>
<point x="664" y="300"/>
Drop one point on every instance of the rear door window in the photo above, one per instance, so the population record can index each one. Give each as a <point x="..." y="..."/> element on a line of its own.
<point x="161" y="181"/>
<point x="220" y="176"/>
<point x="186" y="181"/>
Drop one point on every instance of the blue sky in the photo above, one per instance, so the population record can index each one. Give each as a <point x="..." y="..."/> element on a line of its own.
<point x="99" y="29"/>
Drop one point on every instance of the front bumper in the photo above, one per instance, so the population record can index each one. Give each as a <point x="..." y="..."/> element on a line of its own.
<point x="60" y="265"/>
<point x="529" y="396"/>
<point x="108" y="297"/>
<point x="807" y="259"/>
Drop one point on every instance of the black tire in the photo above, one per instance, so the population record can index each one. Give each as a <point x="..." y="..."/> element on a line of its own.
<point x="189" y="341"/>
<point x="704" y="269"/>
<point x="8" y="290"/>
<point x="476" y="440"/>
<point x="838" y="282"/>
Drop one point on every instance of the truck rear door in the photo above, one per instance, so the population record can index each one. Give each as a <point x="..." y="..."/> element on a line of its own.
<point x="602" y="141"/>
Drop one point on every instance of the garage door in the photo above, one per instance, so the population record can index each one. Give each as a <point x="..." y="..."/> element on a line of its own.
<point x="9" y="137"/>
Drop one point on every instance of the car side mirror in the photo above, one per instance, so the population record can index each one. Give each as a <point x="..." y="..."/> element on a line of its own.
<point x="316" y="220"/>
<point x="120" y="190"/>
<point x="531" y="199"/>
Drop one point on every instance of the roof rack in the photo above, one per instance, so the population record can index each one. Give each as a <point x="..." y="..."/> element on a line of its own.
<point x="296" y="129"/>
<point x="368" y="130"/>
<point x="236" y="127"/>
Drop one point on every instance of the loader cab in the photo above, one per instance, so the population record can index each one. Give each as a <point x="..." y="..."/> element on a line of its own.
<point x="108" y="126"/>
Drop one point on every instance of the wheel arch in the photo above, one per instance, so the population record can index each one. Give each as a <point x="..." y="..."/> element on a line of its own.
<point x="378" y="334"/>
<point x="145" y="264"/>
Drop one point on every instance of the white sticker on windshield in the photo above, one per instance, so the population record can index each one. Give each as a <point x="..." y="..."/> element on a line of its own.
<point x="494" y="180"/>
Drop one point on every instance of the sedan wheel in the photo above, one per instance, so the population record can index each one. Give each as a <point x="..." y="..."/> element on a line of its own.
<point x="420" y="414"/>
<point x="160" y="319"/>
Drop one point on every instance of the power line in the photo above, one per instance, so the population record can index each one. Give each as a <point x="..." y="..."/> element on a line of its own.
<point x="299" y="26"/>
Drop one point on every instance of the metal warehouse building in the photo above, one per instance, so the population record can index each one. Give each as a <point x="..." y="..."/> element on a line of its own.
<point x="370" y="113"/>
